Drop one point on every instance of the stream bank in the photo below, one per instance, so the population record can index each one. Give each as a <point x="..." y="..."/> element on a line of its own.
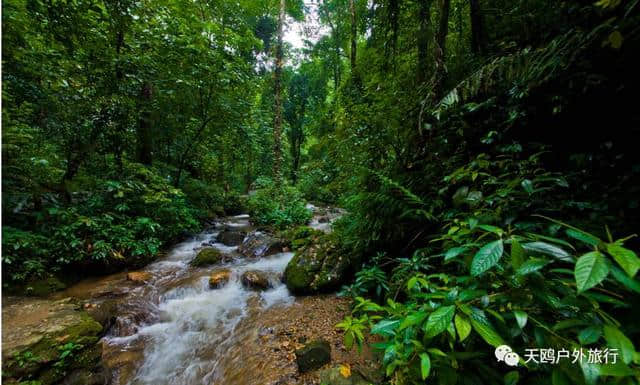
<point x="167" y="324"/>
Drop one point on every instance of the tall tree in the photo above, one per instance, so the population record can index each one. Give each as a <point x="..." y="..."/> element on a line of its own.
<point x="354" y="35"/>
<point x="277" y="119"/>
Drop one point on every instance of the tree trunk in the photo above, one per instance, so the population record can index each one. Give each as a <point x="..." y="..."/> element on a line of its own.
<point x="354" y="35"/>
<point x="424" y="35"/>
<point x="144" y="137"/>
<point x="440" y="51"/>
<point x="277" y="124"/>
<point x="477" y="27"/>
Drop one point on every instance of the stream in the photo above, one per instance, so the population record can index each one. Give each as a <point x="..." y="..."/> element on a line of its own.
<point x="175" y="329"/>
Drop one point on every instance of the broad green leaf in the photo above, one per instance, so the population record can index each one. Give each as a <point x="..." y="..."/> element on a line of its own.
<point x="511" y="378"/>
<point x="590" y="371"/>
<point x="532" y="265"/>
<point x="584" y="237"/>
<point x="439" y="320"/>
<point x="389" y="354"/>
<point x="624" y="279"/>
<point x="517" y="254"/>
<point x="619" y="369"/>
<point x="385" y="327"/>
<point x="521" y="318"/>
<point x="590" y="270"/>
<point x="527" y="185"/>
<point x="626" y="258"/>
<point x="454" y="252"/>
<point x="617" y="340"/>
<point x="413" y="319"/>
<point x="487" y="257"/>
<point x="348" y="339"/>
<point x="425" y="365"/>
<point x="492" y="229"/>
<point x="590" y="335"/>
<point x="558" y="241"/>
<point x="483" y="327"/>
<point x="547" y="249"/>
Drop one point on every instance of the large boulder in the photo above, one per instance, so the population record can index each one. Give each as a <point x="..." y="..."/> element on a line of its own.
<point x="219" y="277"/>
<point x="255" y="280"/>
<point x="318" y="267"/>
<point x="207" y="256"/>
<point x="313" y="355"/>
<point x="231" y="237"/>
<point x="258" y="244"/>
<point x="36" y="331"/>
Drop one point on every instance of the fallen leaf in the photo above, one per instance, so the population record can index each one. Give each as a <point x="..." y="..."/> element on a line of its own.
<point x="345" y="370"/>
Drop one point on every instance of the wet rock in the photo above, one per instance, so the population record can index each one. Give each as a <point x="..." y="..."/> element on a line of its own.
<point x="219" y="277"/>
<point x="255" y="280"/>
<point x="318" y="267"/>
<point x="258" y="244"/>
<point x="121" y="365"/>
<point x="231" y="237"/>
<point x="314" y="355"/>
<point x="33" y="331"/>
<point x="104" y="312"/>
<point x="139" y="276"/>
<point x="207" y="256"/>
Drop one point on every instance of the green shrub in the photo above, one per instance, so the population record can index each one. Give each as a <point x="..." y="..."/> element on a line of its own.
<point x="495" y="286"/>
<point x="278" y="206"/>
<point x="118" y="223"/>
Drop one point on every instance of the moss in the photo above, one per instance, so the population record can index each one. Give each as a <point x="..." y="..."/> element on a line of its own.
<point x="208" y="256"/>
<point x="46" y="352"/>
<point x="297" y="277"/>
<point x="301" y="237"/>
<point x="319" y="266"/>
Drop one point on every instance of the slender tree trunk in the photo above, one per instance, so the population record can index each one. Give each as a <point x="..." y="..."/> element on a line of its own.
<point x="354" y="35"/>
<point x="424" y="35"/>
<point x="277" y="124"/>
<point x="144" y="137"/>
<point x="338" y="62"/>
<point x="441" y="49"/>
<point x="477" y="27"/>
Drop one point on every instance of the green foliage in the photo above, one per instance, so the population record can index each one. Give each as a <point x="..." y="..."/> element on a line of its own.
<point x="279" y="206"/>
<point x="121" y="222"/>
<point x="455" y="319"/>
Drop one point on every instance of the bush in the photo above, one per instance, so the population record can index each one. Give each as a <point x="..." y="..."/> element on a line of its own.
<point x="493" y="286"/>
<point x="118" y="223"/>
<point x="278" y="206"/>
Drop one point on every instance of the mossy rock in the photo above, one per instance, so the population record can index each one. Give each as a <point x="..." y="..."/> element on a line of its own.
<point x="318" y="267"/>
<point x="207" y="256"/>
<point x="301" y="236"/>
<point x="35" y="351"/>
<point x="313" y="355"/>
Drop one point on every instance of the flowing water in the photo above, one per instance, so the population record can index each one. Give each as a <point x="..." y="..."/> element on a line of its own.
<point x="176" y="330"/>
